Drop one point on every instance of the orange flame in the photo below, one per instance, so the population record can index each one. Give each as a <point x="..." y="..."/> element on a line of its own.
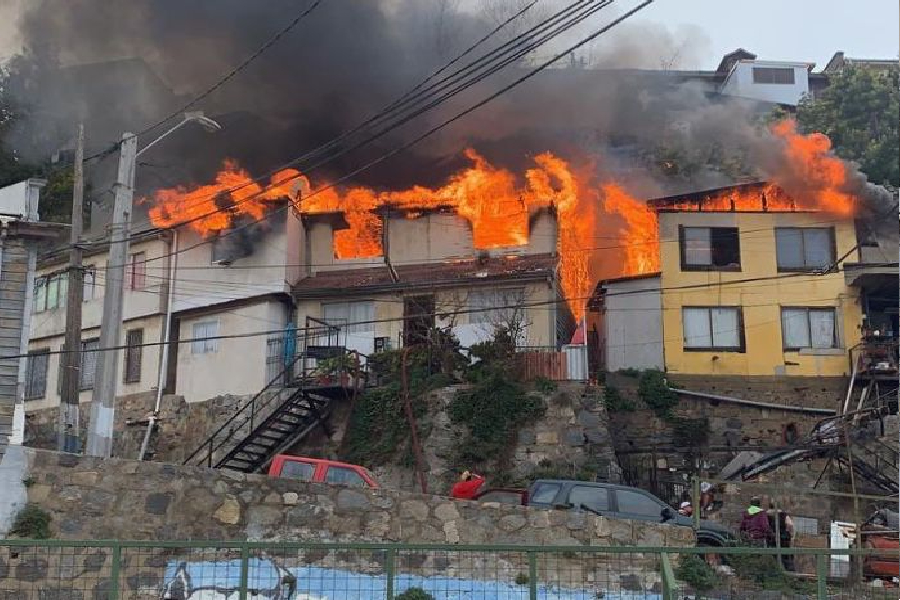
<point x="641" y="233"/>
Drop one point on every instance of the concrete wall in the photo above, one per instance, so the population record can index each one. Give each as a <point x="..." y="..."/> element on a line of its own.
<point x="633" y="325"/>
<point x="761" y="301"/>
<point x="740" y="83"/>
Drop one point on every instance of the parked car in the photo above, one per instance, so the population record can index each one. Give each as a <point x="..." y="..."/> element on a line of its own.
<point x="321" y="471"/>
<point x="504" y="496"/>
<point x="880" y="532"/>
<point x="620" y="502"/>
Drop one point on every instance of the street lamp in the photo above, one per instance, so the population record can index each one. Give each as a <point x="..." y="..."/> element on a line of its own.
<point x="99" y="441"/>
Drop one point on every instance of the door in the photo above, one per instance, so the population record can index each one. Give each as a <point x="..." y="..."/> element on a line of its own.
<point x="418" y="315"/>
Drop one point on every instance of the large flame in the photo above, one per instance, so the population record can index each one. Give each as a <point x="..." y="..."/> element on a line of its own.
<point x="498" y="204"/>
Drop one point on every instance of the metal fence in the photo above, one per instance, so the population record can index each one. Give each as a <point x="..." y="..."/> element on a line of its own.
<point x="116" y="570"/>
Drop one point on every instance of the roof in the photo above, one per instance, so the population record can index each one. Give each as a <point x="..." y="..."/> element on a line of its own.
<point x="625" y="278"/>
<point x="533" y="267"/>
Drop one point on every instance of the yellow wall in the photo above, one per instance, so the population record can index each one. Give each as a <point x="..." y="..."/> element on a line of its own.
<point x="761" y="300"/>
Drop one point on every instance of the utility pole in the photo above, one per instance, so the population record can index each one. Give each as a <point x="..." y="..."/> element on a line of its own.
<point x="103" y="401"/>
<point x="69" y="427"/>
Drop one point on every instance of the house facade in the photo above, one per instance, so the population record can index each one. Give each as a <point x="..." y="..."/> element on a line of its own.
<point x="221" y="287"/>
<point x="753" y="293"/>
<point x="430" y="274"/>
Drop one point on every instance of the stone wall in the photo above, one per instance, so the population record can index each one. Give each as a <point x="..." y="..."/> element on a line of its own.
<point x="814" y="392"/>
<point x="118" y="499"/>
<point x="182" y="427"/>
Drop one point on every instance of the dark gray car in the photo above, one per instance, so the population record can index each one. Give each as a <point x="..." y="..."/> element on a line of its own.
<point x="620" y="502"/>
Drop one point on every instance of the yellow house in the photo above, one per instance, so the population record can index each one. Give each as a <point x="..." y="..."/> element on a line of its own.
<point x="740" y="293"/>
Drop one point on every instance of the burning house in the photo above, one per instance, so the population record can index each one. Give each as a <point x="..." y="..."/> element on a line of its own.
<point x="750" y="283"/>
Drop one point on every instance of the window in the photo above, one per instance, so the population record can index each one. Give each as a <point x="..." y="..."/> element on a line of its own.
<point x="135" y="271"/>
<point x="710" y="249"/>
<point x="357" y="317"/>
<point x="808" y="328"/>
<point x="296" y="469"/>
<point x="90" y="284"/>
<point x="804" y="249"/>
<point x="638" y="504"/>
<point x="344" y="476"/>
<point x="229" y="246"/>
<point x="545" y="493"/>
<point x="36" y="374"/>
<point x="713" y="328"/>
<point x="496" y="306"/>
<point x="205" y="329"/>
<point x="134" y="338"/>
<point x="773" y="75"/>
<point x="594" y="498"/>
<point x="50" y="292"/>
<point x="89" y="356"/>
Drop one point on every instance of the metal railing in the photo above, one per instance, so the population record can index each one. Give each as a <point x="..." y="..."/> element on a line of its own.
<point x="239" y="570"/>
<point x="297" y="368"/>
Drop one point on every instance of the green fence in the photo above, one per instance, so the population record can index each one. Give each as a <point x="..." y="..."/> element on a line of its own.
<point x="114" y="570"/>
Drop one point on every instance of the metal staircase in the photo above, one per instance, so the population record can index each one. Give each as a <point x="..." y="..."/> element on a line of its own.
<point x="317" y="372"/>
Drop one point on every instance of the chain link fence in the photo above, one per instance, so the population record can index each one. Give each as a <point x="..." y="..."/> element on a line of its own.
<point x="104" y="570"/>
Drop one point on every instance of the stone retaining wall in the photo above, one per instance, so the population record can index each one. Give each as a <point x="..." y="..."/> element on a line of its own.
<point x="118" y="499"/>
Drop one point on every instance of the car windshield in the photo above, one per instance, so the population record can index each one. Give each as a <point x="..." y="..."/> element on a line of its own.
<point x="544" y="493"/>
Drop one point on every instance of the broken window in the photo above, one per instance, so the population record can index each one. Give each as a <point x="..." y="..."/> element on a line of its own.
<point x="134" y="340"/>
<point x="804" y="248"/>
<point x="778" y="75"/>
<point x="713" y="328"/>
<point x="808" y="328"/>
<point x="710" y="249"/>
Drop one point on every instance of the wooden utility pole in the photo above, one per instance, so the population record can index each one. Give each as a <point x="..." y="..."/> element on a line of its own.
<point x="69" y="430"/>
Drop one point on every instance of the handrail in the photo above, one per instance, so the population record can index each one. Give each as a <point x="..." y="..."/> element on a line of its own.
<point x="251" y="404"/>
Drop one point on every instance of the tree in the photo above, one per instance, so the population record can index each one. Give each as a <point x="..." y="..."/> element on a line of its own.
<point x="19" y="82"/>
<point x="859" y="112"/>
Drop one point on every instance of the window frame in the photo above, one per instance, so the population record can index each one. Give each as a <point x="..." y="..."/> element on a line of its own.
<point x="29" y="374"/>
<point x="685" y="266"/>
<point x="207" y="346"/>
<point x="836" y="337"/>
<point x="89" y="282"/>
<point x="657" y="503"/>
<point x="740" y="348"/>
<point x="82" y="386"/>
<point x="136" y="278"/>
<point x="772" y="71"/>
<point x="133" y="352"/>
<point x="805" y="268"/>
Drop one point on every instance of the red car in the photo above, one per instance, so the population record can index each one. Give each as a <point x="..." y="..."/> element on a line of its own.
<point x="321" y="471"/>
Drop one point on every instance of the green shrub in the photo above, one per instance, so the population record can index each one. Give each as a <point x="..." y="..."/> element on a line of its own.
<point x="690" y="433"/>
<point x="544" y="385"/>
<point x="414" y="594"/>
<point x="615" y="402"/>
<point x="630" y="372"/>
<point x="656" y="394"/>
<point x="695" y="572"/>
<point x="32" y="522"/>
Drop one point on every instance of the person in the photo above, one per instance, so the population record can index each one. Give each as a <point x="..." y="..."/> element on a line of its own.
<point x="467" y="487"/>
<point x="755" y="523"/>
<point x="785" y="533"/>
<point x="706" y="496"/>
<point x="686" y="509"/>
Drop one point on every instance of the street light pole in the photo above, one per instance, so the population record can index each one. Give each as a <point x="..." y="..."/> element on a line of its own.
<point x="103" y="400"/>
<point x="100" y="432"/>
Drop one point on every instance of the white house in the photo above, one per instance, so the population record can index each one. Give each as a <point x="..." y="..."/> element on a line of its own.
<point x="234" y="285"/>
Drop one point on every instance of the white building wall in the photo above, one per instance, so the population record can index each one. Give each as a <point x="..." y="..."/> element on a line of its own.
<point x="633" y="325"/>
<point x="740" y="83"/>
<point x="235" y="366"/>
<point x="152" y="326"/>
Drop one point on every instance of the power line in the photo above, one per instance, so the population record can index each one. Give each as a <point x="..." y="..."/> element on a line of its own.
<point x="225" y="79"/>
<point x="524" y="305"/>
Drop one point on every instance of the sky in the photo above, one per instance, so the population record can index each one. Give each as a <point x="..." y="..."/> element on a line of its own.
<point x="805" y="30"/>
